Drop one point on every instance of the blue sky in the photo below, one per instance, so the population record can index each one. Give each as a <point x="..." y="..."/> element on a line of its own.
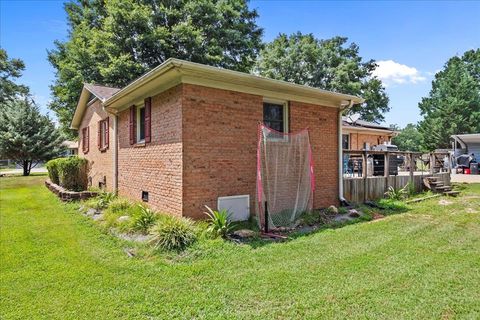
<point x="411" y="40"/>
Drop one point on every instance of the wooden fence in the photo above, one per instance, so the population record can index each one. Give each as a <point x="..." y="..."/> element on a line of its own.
<point x="361" y="184"/>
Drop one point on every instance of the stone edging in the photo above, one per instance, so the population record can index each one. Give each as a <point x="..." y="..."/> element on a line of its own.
<point x="66" y="195"/>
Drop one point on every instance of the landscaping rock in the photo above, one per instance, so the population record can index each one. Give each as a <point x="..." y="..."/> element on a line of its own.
<point x="444" y="202"/>
<point x="97" y="217"/>
<point x="353" y="213"/>
<point x="123" y="218"/>
<point x="332" y="210"/>
<point x="245" y="233"/>
<point x="91" y="212"/>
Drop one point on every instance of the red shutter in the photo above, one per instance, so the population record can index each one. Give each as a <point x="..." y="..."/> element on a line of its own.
<point x="88" y="139"/>
<point x="99" y="135"/>
<point x="83" y="139"/>
<point x="133" y="126"/>
<point x="148" y="122"/>
<point x="107" y="133"/>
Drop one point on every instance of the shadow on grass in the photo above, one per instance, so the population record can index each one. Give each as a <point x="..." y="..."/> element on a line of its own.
<point x="374" y="211"/>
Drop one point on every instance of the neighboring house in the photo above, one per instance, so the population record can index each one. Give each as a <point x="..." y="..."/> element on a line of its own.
<point x="466" y="144"/>
<point x="360" y="134"/>
<point x="71" y="147"/>
<point x="185" y="134"/>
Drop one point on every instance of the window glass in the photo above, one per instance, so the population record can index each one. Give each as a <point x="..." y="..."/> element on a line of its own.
<point x="346" y="141"/>
<point x="141" y="124"/>
<point x="273" y="116"/>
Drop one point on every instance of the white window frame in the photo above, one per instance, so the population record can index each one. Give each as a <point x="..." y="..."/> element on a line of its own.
<point x="285" y="111"/>
<point x="138" y="120"/>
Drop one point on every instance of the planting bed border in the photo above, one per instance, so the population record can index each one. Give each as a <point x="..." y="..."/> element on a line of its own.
<point x="67" y="195"/>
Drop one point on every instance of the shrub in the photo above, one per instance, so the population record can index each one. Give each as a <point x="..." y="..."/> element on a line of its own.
<point x="143" y="219"/>
<point x="396" y="194"/>
<point x="392" y="205"/>
<point x="173" y="234"/>
<point x="104" y="199"/>
<point x="119" y="205"/>
<point x="72" y="173"/>
<point x="52" y="167"/>
<point x="219" y="224"/>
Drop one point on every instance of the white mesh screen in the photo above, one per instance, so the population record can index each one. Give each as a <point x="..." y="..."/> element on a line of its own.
<point x="285" y="178"/>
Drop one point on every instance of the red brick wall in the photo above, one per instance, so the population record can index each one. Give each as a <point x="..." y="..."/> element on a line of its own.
<point x="157" y="166"/>
<point x="323" y="129"/>
<point x="219" y="139"/>
<point x="220" y="142"/>
<point x="101" y="162"/>
<point x="203" y="146"/>
<point x="358" y="139"/>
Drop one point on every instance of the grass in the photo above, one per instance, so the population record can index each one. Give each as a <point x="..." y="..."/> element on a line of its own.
<point x="57" y="264"/>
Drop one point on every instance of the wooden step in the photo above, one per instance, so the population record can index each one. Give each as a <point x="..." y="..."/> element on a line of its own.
<point x="444" y="188"/>
<point x="436" y="183"/>
<point x="451" y="193"/>
<point x="432" y="178"/>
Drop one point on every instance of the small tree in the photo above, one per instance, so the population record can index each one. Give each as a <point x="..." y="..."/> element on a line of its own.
<point x="27" y="136"/>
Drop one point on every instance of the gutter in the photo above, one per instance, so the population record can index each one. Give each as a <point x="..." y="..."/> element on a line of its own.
<point x="340" y="151"/>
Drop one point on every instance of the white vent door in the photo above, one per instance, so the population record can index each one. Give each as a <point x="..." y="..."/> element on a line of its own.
<point x="237" y="206"/>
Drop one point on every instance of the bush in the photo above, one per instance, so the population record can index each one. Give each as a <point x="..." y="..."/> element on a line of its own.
<point x="104" y="199"/>
<point x="143" y="219"/>
<point x="52" y="167"/>
<point x="396" y="194"/>
<point x="173" y="234"/>
<point x="219" y="224"/>
<point x="392" y="205"/>
<point x="119" y="205"/>
<point x="73" y="173"/>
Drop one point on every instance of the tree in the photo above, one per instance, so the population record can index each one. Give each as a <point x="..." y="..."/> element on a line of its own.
<point x="409" y="139"/>
<point x="27" y="136"/>
<point x="327" y="64"/>
<point x="453" y="105"/>
<point x="10" y="69"/>
<point x="114" y="42"/>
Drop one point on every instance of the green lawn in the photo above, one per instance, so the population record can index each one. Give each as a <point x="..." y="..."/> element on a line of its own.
<point x="58" y="264"/>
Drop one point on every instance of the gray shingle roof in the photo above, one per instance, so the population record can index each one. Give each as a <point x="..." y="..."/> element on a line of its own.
<point x="101" y="92"/>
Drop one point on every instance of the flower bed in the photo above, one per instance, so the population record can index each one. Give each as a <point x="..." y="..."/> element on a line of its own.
<point x="67" y="195"/>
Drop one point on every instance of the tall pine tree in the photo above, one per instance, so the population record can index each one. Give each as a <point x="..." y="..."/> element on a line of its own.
<point x="27" y="136"/>
<point x="453" y="105"/>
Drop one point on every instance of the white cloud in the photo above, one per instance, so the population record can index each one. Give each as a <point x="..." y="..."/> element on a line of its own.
<point x="391" y="72"/>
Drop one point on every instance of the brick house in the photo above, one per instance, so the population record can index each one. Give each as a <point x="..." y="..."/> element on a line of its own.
<point x="185" y="134"/>
<point x="360" y="134"/>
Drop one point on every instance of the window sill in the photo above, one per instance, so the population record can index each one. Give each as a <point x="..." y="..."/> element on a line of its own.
<point x="104" y="149"/>
<point x="141" y="144"/>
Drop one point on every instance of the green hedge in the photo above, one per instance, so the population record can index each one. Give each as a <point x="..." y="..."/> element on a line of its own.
<point x="52" y="167"/>
<point x="70" y="173"/>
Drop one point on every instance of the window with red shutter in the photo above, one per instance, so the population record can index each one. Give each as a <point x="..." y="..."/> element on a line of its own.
<point x="148" y="125"/>
<point x="85" y="139"/>
<point x="132" y="125"/>
<point x="103" y="127"/>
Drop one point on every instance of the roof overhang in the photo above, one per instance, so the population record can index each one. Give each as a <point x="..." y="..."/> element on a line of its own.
<point x="347" y="128"/>
<point x="173" y="72"/>
<point x="473" y="138"/>
<point x="80" y="109"/>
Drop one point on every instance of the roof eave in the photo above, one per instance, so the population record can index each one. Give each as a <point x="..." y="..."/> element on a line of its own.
<point x="176" y="71"/>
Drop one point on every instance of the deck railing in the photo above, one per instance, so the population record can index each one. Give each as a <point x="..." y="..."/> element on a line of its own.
<point x="367" y="174"/>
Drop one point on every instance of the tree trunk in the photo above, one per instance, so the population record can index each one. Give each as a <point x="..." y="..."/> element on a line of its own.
<point x="26" y="167"/>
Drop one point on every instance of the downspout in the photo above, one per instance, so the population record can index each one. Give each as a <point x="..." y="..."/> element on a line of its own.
<point x="340" y="151"/>
<point x="115" y="154"/>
